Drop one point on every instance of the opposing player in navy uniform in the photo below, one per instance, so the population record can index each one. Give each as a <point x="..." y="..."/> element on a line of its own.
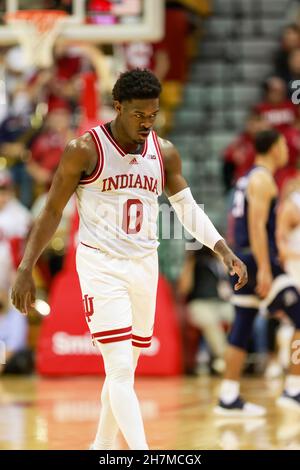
<point x="269" y="287"/>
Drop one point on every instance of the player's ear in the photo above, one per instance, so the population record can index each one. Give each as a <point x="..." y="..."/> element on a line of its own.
<point x="117" y="106"/>
<point x="273" y="150"/>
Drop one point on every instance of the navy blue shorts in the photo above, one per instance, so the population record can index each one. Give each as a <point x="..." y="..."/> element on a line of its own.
<point x="248" y="259"/>
<point x="283" y="295"/>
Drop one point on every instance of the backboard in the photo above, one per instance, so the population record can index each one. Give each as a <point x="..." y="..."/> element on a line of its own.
<point x="98" y="21"/>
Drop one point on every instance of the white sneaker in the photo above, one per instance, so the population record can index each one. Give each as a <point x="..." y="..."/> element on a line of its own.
<point x="274" y="370"/>
<point x="93" y="446"/>
<point x="288" y="401"/>
<point x="239" y="408"/>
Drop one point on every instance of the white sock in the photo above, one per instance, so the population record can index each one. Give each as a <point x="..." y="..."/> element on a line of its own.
<point x="292" y="384"/>
<point x="108" y="428"/>
<point x="119" y="368"/>
<point x="229" y="391"/>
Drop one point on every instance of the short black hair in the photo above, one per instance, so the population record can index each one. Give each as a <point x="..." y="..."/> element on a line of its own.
<point x="264" y="140"/>
<point x="140" y="84"/>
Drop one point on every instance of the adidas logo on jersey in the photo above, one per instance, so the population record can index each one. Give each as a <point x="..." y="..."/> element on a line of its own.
<point x="133" y="162"/>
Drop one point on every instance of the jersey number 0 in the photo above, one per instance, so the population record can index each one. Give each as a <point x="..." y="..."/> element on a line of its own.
<point x="132" y="216"/>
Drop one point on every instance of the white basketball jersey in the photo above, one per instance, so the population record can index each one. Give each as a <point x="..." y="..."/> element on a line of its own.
<point x="294" y="235"/>
<point x="117" y="204"/>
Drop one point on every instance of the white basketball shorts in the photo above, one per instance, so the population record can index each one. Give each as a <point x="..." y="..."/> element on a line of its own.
<point x="292" y="267"/>
<point x="119" y="295"/>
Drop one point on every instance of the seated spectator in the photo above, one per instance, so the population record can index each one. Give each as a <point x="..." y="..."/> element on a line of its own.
<point x="290" y="41"/>
<point x="283" y="115"/>
<point x="239" y="156"/>
<point x="63" y="82"/>
<point x="18" y="359"/>
<point x="204" y="284"/>
<point x="292" y="135"/>
<point x="16" y="134"/>
<point x="145" y="55"/>
<point x="293" y="69"/>
<point x="52" y="259"/>
<point x="47" y="148"/>
<point x="15" y="219"/>
<point x="17" y="78"/>
<point x="276" y="107"/>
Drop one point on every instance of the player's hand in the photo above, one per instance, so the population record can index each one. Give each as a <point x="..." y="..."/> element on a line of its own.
<point x="236" y="266"/>
<point x="23" y="291"/>
<point x="264" y="281"/>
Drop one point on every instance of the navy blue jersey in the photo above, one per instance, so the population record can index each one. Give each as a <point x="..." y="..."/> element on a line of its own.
<point x="239" y="213"/>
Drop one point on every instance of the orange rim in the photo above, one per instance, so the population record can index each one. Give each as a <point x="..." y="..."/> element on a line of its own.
<point x="42" y="19"/>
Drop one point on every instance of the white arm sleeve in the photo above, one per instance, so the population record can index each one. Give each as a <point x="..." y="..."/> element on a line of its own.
<point x="194" y="219"/>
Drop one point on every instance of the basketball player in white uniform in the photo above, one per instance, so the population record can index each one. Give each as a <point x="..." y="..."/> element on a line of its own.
<point x="288" y="233"/>
<point x="118" y="171"/>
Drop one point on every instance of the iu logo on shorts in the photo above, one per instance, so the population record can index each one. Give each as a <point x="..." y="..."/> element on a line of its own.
<point x="88" y="306"/>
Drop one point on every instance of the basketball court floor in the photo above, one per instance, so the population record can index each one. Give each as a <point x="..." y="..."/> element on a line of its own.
<point x="40" y="413"/>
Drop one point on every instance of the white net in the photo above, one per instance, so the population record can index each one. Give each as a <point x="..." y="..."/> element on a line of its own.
<point x="37" y="31"/>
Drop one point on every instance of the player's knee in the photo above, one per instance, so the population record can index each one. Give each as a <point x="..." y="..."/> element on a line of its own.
<point x="121" y="369"/>
<point x="289" y="302"/>
<point x="206" y="318"/>
<point x="203" y="317"/>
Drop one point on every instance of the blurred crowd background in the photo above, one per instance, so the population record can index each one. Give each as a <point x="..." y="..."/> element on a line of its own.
<point x="228" y="69"/>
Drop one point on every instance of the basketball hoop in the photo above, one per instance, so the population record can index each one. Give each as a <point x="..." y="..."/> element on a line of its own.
<point x="37" y="31"/>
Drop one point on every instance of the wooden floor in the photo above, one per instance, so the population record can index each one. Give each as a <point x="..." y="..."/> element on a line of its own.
<point x="40" y="413"/>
